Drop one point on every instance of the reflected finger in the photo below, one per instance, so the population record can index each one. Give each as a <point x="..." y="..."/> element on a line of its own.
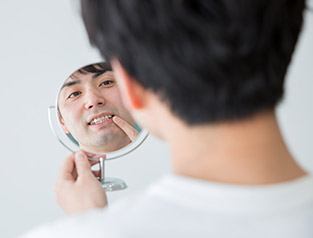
<point x="130" y="131"/>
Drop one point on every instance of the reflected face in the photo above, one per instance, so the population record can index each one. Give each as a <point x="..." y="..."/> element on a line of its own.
<point x="87" y="102"/>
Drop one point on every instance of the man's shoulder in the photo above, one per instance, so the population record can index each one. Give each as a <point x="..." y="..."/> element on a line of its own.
<point x="85" y="225"/>
<point x="90" y="224"/>
<point x="157" y="208"/>
<point x="95" y="222"/>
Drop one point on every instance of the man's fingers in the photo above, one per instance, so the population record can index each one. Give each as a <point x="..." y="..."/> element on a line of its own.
<point x="93" y="162"/>
<point x="94" y="158"/>
<point x="67" y="169"/>
<point x="83" y="166"/>
<point x="130" y="131"/>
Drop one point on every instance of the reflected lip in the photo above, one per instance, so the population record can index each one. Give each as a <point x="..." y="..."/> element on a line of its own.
<point x="91" y="118"/>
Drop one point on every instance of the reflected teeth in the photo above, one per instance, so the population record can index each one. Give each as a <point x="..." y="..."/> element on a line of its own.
<point x="99" y="120"/>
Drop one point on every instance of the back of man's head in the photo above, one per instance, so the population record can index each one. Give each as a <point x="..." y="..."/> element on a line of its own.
<point x="211" y="61"/>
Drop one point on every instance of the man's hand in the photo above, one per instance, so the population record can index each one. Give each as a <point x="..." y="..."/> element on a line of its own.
<point x="130" y="131"/>
<point x="77" y="188"/>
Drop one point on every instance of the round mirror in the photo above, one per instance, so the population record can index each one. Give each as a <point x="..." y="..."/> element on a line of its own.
<point x="89" y="115"/>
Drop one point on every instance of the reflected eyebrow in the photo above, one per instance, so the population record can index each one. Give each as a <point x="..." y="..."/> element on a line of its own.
<point x="71" y="83"/>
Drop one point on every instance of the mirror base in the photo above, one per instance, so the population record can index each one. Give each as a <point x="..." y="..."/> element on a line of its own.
<point x="113" y="184"/>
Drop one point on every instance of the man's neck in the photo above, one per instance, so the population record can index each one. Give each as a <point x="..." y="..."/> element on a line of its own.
<point x="248" y="152"/>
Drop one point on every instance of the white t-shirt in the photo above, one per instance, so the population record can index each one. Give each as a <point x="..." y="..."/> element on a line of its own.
<point x="182" y="207"/>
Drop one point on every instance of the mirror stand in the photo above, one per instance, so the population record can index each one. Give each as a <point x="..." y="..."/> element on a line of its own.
<point x="108" y="183"/>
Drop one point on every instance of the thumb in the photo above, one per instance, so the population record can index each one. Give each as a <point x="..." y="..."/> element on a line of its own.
<point x="83" y="166"/>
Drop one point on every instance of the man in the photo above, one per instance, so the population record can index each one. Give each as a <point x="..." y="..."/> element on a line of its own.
<point x="91" y="110"/>
<point x="214" y="72"/>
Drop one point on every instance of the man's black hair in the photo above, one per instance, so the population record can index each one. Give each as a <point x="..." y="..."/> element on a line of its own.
<point x="97" y="69"/>
<point x="210" y="60"/>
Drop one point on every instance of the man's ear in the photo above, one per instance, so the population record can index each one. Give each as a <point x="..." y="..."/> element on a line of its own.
<point x="132" y="93"/>
<point x="61" y="120"/>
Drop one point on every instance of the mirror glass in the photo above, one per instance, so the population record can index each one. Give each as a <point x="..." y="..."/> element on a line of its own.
<point x="89" y="115"/>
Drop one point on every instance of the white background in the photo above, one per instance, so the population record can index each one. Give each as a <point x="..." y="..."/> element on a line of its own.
<point x="41" y="43"/>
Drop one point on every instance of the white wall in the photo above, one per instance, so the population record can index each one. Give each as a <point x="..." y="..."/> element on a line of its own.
<point x="41" y="43"/>
<point x="296" y="111"/>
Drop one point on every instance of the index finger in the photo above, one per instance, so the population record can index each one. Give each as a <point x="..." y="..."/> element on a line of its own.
<point x="130" y="131"/>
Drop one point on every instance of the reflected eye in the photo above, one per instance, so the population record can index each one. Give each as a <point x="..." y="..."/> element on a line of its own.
<point x="74" y="94"/>
<point x="107" y="83"/>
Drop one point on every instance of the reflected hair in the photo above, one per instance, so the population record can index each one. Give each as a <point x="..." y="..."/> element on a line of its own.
<point x="96" y="69"/>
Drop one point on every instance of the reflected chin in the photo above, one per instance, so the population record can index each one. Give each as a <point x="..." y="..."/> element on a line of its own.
<point x="107" y="142"/>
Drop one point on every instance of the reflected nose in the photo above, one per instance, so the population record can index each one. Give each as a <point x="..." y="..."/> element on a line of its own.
<point x="94" y="99"/>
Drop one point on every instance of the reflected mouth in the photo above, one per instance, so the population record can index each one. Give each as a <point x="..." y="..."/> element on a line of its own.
<point x="100" y="119"/>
